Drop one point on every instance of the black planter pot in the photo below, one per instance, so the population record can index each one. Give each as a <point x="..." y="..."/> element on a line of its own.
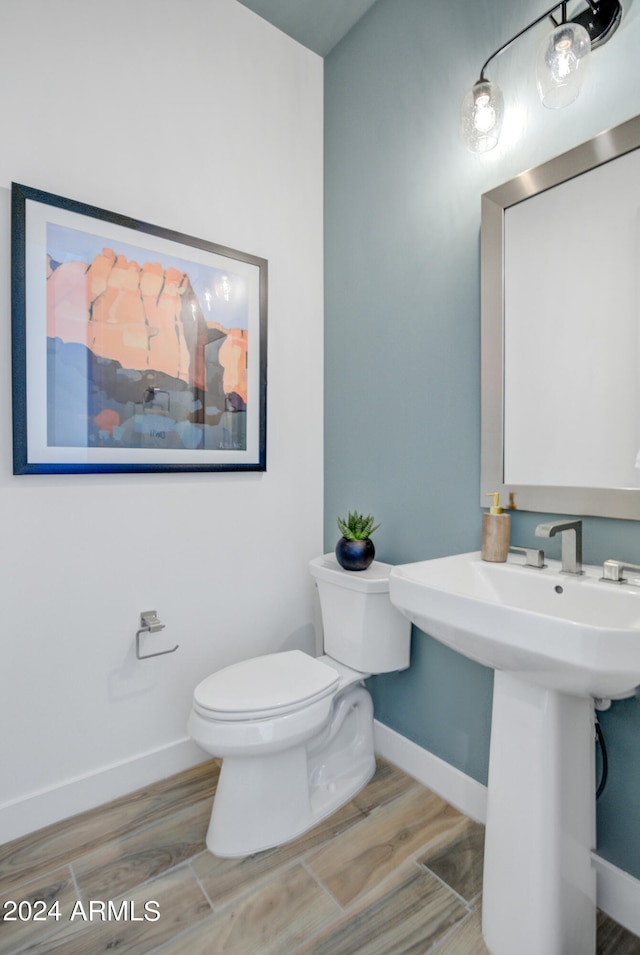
<point x="355" y="555"/>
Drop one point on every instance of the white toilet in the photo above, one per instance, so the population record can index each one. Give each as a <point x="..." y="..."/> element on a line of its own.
<point x="295" y="732"/>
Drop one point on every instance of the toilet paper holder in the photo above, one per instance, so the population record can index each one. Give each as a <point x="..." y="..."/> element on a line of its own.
<point x="149" y="623"/>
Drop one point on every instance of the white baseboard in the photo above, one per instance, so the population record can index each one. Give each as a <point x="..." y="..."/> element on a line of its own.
<point x="46" y="806"/>
<point x="618" y="893"/>
<point x="458" y="789"/>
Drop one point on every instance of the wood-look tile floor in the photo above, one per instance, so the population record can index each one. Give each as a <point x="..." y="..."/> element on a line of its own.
<point x="395" y="871"/>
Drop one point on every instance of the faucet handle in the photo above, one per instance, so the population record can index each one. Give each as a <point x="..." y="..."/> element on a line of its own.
<point x="613" y="571"/>
<point x="534" y="557"/>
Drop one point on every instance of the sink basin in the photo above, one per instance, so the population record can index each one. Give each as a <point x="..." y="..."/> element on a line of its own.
<point x="575" y="635"/>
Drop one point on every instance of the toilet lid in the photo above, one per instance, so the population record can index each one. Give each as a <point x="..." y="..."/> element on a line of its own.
<point x="265" y="686"/>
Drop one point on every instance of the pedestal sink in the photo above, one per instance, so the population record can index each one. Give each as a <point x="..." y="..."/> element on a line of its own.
<point x="555" y="642"/>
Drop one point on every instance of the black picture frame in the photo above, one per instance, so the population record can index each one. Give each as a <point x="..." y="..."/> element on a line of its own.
<point x="136" y="348"/>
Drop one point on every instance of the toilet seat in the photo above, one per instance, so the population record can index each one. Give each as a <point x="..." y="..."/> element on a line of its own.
<point x="265" y="687"/>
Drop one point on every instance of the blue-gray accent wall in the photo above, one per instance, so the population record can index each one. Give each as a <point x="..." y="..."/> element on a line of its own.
<point x="402" y="340"/>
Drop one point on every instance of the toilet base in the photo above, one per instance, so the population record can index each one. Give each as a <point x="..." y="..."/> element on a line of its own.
<point x="263" y="802"/>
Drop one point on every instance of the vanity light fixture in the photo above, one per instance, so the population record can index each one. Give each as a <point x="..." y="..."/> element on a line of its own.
<point x="561" y="66"/>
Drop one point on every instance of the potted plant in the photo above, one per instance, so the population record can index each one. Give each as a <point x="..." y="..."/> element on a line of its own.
<point x="355" y="550"/>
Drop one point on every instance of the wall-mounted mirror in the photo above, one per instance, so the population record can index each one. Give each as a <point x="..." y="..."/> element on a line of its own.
<point x="560" y="265"/>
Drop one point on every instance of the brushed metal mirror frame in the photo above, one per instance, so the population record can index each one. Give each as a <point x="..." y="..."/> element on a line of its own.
<point x="617" y="502"/>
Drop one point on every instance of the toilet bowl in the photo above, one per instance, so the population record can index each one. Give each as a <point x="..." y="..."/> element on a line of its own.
<point x="295" y="732"/>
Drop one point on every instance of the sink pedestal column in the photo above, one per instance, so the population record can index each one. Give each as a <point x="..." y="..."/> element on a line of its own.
<point x="539" y="885"/>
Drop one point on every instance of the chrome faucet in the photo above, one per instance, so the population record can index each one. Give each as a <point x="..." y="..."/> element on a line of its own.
<point x="571" y="543"/>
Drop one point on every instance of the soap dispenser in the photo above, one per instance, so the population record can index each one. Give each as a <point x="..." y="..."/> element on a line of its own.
<point x="496" y="528"/>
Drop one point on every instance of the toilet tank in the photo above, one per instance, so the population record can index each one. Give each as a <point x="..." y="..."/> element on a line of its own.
<point x="362" y="629"/>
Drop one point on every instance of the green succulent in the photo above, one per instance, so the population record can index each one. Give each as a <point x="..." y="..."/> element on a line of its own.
<point x="357" y="527"/>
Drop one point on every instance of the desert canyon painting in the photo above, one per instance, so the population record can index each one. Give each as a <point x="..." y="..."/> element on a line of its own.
<point x="137" y="352"/>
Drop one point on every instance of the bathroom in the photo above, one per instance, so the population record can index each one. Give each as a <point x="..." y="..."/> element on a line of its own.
<point x="201" y="117"/>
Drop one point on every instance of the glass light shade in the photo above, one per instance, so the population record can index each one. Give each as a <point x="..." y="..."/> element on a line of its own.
<point x="562" y="64"/>
<point x="481" y="116"/>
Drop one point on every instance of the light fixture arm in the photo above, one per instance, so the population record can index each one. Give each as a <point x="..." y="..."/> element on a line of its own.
<point x="564" y="15"/>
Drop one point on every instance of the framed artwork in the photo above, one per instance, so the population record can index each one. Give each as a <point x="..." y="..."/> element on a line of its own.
<point x="135" y="348"/>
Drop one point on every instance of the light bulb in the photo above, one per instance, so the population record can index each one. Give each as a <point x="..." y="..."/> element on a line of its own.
<point x="481" y="116"/>
<point x="562" y="64"/>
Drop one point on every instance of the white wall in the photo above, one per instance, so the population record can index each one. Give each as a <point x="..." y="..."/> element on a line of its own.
<point x="198" y="116"/>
